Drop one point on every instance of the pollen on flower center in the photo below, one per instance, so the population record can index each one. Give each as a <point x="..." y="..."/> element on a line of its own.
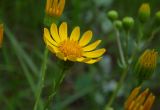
<point x="70" y="48"/>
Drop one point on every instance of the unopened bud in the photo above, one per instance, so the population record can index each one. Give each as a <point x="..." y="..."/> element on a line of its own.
<point x="144" y="12"/>
<point x="118" y="24"/>
<point x="157" y="17"/>
<point x="128" y="23"/>
<point x="112" y="15"/>
<point x="146" y="65"/>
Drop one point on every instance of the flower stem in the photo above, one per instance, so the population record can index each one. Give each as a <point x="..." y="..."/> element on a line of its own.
<point x="56" y="86"/>
<point x="127" y="46"/>
<point x="41" y="78"/>
<point x="123" y="76"/>
<point x="120" y="47"/>
<point x="154" y="32"/>
<point x="140" y="36"/>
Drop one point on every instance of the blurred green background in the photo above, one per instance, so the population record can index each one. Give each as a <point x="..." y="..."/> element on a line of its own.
<point x="86" y="87"/>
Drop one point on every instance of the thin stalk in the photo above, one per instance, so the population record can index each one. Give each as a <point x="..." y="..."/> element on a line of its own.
<point x="140" y="36"/>
<point x="24" y="59"/>
<point x="123" y="76"/>
<point x="79" y="94"/>
<point x="22" y="53"/>
<point x="41" y="78"/>
<point x="56" y="87"/>
<point x="154" y="32"/>
<point x="121" y="53"/>
<point x="127" y="46"/>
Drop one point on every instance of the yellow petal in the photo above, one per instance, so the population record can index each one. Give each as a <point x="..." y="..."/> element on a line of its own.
<point x="141" y="108"/>
<point x="92" y="46"/>
<point x="48" y="3"/>
<point x="55" y="4"/>
<point x="149" y="102"/>
<point x="61" y="56"/>
<point x="75" y="34"/>
<point x="61" y="6"/>
<point x="71" y="58"/>
<point x="48" y="37"/>
<point x="83" y="59"/>
<point x="94" y="54"/>
<point x="87" y="36"/>
<point x="136" y="106"/>
<point x="93" y="60"/>
<point x="141" y="98"/>
<point x="63" y="31"/>
<point x="132" y="96"/>
<point x="54" y="32"/>
<point x="52" y="48"/>
<point x="50" y="12"/>
<point x="131" y="106"/>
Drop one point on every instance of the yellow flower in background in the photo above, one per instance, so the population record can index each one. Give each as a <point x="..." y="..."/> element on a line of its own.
<point x="146" y="64"/>
<point x="1" y="34"/>
<point x="145" y="7"/>
<point x="55" y="7"/>
<point x="144" y="12"/>
<point x="149" y="59"/>
<point x="139" y="101"/>
<point x="72" y="48"/>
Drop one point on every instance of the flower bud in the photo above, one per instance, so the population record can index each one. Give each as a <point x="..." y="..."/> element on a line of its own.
<point x="118" y="24"/>
<point x="112" y="15"/>
<point x="1" y="34"/>
<point x="128" y="23"/>
<point x="53" y="11"/>
<point x="139" y="101"/>
<point x="54" y="7"/>
<point x="146" y="65"/>
<point x="144" y="12"/>
<point x="157" y="16"/>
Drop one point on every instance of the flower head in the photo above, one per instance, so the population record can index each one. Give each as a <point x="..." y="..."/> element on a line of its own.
<point x="146" y="64"/>
<point x="139" y="101"/>
<point x="1" y="34"/>
<point x="72" y="48"/>
<point x="144" y="12"/>
<point x="128" y="23"/>
<point x="149" y="59"/>
<point x="55" y="7"/>
<point x="157" y="16"/>
<point x="112" y="15"/>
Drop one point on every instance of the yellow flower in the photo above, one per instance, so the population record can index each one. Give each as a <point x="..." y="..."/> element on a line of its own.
<point x="144" y="12"/>
<point x="72" y="48"/>
<point x="145" y="7"/>
<point x="149" y="59"/>
<point x="1" y="34"/>
<point x="139" y="101"/>
<point x="55" y="7"/>
<point x="146" y="65"/>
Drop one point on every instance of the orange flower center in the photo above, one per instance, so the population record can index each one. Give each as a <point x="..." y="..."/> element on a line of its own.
<point x="70" y="48"/>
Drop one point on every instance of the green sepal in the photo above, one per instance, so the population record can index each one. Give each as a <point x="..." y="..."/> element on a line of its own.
<point x="48" y="20"/>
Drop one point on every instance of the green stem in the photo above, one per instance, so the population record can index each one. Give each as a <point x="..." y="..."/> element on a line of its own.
<point x="120" y="47"/>
<point x="42" y="77"/>
<point x="154" y="32"/>
<point x="55" y="87"/>
<point x="124" y="74"/>
<point x="141" y="31"/>
<point x="127" y="46"/>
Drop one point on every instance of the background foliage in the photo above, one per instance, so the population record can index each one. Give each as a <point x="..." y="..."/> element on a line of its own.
<point x="86" y="87"/>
